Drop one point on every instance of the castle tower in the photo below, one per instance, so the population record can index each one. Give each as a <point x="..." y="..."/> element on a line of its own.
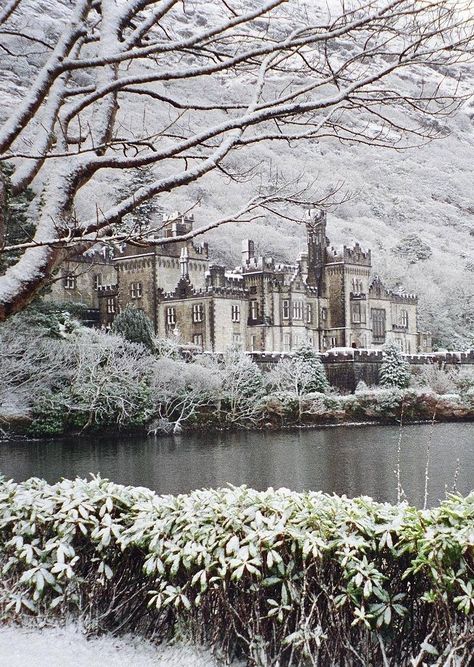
<point x="317" y="244"/>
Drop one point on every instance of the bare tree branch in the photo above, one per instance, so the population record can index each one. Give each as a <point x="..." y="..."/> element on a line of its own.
<point x="301" y="75"/>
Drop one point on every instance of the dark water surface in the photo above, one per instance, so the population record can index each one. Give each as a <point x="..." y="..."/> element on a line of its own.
<point x="354" y="460"/>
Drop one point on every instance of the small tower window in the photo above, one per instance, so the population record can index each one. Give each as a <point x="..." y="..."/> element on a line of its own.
<point x="254" y="309"/>
<point x="286" y="309"/>
<point x="136" y="290"/>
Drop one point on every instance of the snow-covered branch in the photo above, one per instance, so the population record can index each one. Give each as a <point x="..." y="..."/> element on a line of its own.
<point x="276" y="70"/>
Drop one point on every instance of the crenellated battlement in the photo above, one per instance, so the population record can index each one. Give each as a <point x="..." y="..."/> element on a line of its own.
<point x="236" y="291"/>
<point x="355" y="255"/>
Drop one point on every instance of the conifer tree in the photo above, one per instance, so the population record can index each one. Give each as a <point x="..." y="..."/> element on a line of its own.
<point x="133" y="325"/>
<point x="310" y="358"/>
<point x="15" y="227"/>
<point x="395" y="370"/>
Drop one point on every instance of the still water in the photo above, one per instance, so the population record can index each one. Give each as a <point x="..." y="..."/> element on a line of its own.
<point x="354" y="460"/>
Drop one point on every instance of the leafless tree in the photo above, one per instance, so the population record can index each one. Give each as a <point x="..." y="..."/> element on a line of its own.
<point x="179" y="390"/>
<point x="274" y="70"/>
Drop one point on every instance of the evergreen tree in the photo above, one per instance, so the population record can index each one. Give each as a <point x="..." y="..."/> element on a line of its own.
<point x="146" y="215"/>
<point x="307" y="355"/>
<point x="16" y="227"/>
<point x="133" y="325"/>
<point x="395" y="370"/>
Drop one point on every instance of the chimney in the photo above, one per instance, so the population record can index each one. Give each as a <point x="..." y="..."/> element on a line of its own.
<point x="248" y="250"/>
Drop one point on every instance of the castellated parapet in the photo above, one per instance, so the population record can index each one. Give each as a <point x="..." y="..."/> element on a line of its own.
<point x="356" y="255"/>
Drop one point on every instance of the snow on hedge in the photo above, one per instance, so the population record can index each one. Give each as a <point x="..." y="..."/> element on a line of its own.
<point x="262" y="575"/>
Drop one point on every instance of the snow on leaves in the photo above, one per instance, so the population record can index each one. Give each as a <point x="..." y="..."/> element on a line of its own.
<point x="295" y="562"/>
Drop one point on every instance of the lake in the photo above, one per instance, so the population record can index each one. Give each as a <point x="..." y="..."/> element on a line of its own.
<point x="351" y="460"/>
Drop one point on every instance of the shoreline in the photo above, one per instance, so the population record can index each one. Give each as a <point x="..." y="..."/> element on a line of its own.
<point x="192" y="430"/>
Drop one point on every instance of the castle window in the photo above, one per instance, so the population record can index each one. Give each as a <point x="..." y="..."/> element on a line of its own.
<point x="235" y="313"/>
<point x="253" y="342"/>
<point x="236" y="340"/>
<point x="309" y="313"/>
<point x="97" y="281"/>
<point x="254" y="309"/>
<point x="356" y="312"/>
<point x="136" y="290"/>
<point x="297" y="310"/>
<point x="110" y="305"/>
<point x="198" y="340"/>
<point x="404" y="318"/>
<point x="171" y="315"/>
<point x="69" y="281"/>
<point x="198" y="311"/>
<point x="324" y="314"/>
<point x="378" y="323"/>
<point x="287" y="342"/>
<point x="286" y="309"/>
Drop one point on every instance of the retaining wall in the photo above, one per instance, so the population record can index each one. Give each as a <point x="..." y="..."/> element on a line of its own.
<point x="345" y="369"/>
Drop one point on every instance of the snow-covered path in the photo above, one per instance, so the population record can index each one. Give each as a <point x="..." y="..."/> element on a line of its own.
<point x="68" y="647"/>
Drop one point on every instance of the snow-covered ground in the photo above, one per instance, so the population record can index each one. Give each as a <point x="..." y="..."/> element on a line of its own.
<point x="67" y="646"/>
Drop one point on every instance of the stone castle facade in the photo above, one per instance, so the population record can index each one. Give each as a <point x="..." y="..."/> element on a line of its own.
<point x="328" y="297"/>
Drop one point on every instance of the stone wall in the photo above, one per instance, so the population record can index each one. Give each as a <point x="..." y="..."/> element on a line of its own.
<point x="345" y="369"/>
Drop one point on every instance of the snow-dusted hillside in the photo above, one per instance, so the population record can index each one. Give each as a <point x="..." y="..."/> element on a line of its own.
<point x="424" y="191"/>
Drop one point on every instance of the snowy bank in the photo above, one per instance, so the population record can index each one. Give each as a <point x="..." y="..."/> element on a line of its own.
<point x="59" y="646"/>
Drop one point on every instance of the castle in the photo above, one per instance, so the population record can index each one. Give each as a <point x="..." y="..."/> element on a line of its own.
<point x="327" y="298"/>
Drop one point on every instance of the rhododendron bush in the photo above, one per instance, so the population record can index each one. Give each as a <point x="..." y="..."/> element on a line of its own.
<point x="299" y="578"/>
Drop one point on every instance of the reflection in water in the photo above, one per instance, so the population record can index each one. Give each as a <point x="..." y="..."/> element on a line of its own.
<point x="344" y="460"/>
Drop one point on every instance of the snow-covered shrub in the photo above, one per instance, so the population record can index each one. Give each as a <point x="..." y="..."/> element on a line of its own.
<point x="440" y="380"/>
<point x="108" y="386"/>
<point x="167" y="347"/>
<point x="282" y="574"/>
<point x="361" y="387"/>
<point x="281" y="407"/>
<point x="133" y="325"/>
<point x="110" y="383"/>
<point x="29" y="369"/>
<point x="464" y="380"/>
<point x="179" y="390"/>
<point x="395" y="370"/>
